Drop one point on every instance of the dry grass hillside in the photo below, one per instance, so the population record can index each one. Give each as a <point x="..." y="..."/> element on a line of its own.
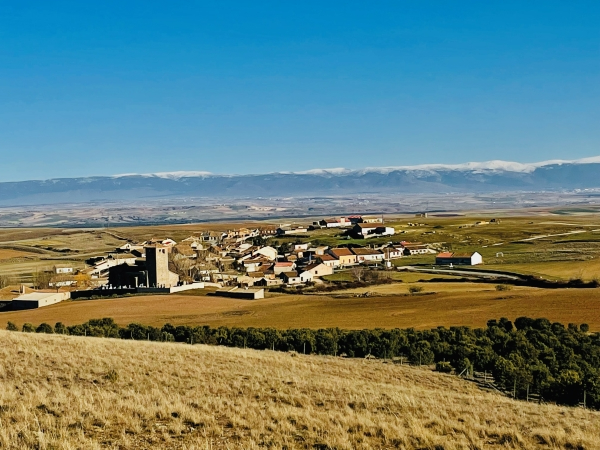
<point x="59" y="392"/>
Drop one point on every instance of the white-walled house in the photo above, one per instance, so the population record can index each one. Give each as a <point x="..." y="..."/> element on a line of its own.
<point x="367" y="230"/>
<point x="393" y="252"/>
<point x="268" y="252"/>
<point x="367" y="254"/>
<point x="319" y="269"/>
<point x="305" y="276"/>
<point x="329" y="260"/>
<point x="459" y="259"/>
<point x="290" y="277"/>
<point x="283" y="266"/>
<point x="62" y="269"/>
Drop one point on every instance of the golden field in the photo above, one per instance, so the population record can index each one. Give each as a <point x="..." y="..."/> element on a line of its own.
<point x="62" y="392"/>
<point x="390" y="310"/>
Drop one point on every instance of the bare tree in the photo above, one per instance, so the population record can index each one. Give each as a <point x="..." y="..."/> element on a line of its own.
<point x="42" y="280"/>
<point x="5" y="281"/>
<point x="358" y="272"/>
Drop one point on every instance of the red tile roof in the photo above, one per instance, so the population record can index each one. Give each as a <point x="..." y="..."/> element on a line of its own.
<point x="366" y="251"/>
<point x="341" y="252"/>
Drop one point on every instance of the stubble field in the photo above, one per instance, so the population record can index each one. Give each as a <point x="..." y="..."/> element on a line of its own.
<point x="450" y="308"/>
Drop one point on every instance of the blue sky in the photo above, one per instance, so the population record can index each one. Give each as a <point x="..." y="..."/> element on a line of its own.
<point x="100" y="88"/>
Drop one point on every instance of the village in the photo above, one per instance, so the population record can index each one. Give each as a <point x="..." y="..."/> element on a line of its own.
<point x="239" y="263"/>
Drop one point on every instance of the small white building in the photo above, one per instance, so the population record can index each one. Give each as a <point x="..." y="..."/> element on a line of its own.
<point x="283" y="266"/>
<point x="36" y="300"/>
<point x="393" y="252"/>
<point x="268" y="252"/>
<point x="459" y="259"/>
<point x="367" y="230"/>
<point x="318" y="270"/>
<point x="305" y="276"/>
<point x="291" y="278"/>
<point x="329" y="260"/>
<point x="367" y="254"/>
<point x="62" y="269"/>
<point x="372" y="219"/>
<point x="416" y="249"/>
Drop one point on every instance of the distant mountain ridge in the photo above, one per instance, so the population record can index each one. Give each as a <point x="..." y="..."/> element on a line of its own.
<point x="432" y="178"/>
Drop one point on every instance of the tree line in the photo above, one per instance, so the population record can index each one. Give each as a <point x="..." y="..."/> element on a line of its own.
<point x="552" y="361"/>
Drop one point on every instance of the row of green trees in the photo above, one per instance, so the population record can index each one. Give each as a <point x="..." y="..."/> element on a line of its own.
<point x="530" y="356"/>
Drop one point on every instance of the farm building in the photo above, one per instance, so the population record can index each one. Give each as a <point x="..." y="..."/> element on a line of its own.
<point x="334" y="223"/>
<point x="291" y="229"/>
<point x="36" y="300"/>
<point x="246" y="294"/>
<point x="61" y="269"/>
<point x="415" y="249"/>
<point x="372" y="219"/>
<point x="367" y="230"/>
<point x="268" y="282"/>
<point x="459" y="259"/>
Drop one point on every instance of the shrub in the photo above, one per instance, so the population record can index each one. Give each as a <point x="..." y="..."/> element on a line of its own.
<point x="112" y="376"/>
<point x="44" y="328"/>
<point x="584" y="327"/>
<point x="28" y="328"/>
<point x="60" y="328"/>
<point x="11" y="327"/>
<point x="412" y="290"/>
<point x="503" y="287"/>
<point x="443" y="366"/>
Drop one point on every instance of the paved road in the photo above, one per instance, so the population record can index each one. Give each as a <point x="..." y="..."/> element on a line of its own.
<point x="458" y="272"/>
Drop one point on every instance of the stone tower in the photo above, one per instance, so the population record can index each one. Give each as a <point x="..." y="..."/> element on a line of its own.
<point x="157" y="264"/>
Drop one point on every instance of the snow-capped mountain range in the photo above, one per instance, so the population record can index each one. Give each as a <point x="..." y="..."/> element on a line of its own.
<point x="470" y="177"/>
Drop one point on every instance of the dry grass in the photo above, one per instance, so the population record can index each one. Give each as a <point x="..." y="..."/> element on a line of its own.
<point x="68" y="392"/>
<point x="466" y="288"/>
<point x="586" y="270"/>
<point x="9" y="253"/>
<point x="321" y="311"/>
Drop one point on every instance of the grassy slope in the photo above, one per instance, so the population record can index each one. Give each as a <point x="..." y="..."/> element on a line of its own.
<point x="67" y="392"/>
